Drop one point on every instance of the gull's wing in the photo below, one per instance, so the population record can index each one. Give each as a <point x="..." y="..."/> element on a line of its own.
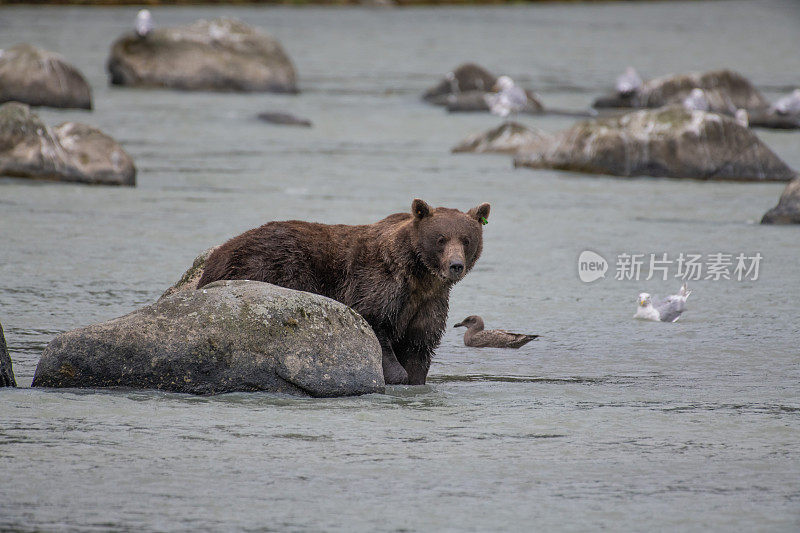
<point x="670" y="309"/>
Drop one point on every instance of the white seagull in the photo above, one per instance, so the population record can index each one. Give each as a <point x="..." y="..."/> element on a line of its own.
<point x="144" y="23"/>
<point x="696" y="101"/>
<point x="788" y="105"/>
<point x="668" y="310"/>
<point x="629" y="82"/>
<point x="509" y="98"/>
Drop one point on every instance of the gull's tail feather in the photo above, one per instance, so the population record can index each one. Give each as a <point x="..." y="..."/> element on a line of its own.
<point x="685" y="291"/>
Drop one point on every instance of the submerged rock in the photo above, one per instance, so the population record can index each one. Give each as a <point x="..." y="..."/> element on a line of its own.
<point x="725" y="90"/>
<point x="71" y="152"/>
<point x="788" y="209"/>
<point x="217" y="55"/>
<point x="670" y="142"/>
<point x="40" y="78"/>
<point x="284" y="119"/>
<point x="508" y="138"/>
<point x="229" y="336"/>
<point x="6" y="371"/>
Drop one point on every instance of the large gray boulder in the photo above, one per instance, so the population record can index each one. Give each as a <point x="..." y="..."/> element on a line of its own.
<point x="71" y="151"/>
<point x="725" y="90"/>
<point x="6" y="371"/>
<point x="216" y="55"/>
<point x="669" y="142"/>
<point x="40" y="78"/>
<point x="228" y="336"/>
<point x="507" y="138"/>
<point x="788" y="209"/>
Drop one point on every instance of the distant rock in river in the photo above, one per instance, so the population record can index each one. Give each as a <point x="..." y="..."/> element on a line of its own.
<point x="69" y="152"/>
<point x="508" y="138"/>
<point x="40" y="78"/>
<point x="669" y="142"/>
<point x="217" y="55"/>
<point x="725" y="90"/>
<point x="788" y="209"/>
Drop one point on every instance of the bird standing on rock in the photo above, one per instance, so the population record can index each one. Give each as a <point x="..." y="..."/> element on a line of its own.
<point x="477" y="337"/>
<point x="629" y="82"/>
<point x="144" y="23"/>
<point x="509" y="98"/>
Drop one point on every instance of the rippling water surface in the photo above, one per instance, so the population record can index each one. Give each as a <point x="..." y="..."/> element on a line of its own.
<point x="605" y="422"/>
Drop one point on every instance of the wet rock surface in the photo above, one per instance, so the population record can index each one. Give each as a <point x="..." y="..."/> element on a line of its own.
<point x="228" y="336"/>
<point x="216" y="55"/>
<point x="71" y="152"/>
<point x="40" y="78"/>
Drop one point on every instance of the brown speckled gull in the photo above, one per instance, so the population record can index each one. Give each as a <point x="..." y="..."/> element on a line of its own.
<point x="477" y="337"/>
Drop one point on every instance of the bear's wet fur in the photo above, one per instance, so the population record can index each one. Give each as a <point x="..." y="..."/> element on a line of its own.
<point x="396" y="273"/>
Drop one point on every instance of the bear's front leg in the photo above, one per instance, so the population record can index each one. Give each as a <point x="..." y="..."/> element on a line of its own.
<point x="393" y="371"/>
<point x="417" y="368"/>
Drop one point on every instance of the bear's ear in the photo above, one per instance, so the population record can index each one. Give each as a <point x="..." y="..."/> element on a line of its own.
<point x="480" y="213"/>
<point x="420" y="209"/>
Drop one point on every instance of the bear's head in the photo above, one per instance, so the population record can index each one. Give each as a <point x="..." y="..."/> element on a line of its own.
<point x="448" y="241"/>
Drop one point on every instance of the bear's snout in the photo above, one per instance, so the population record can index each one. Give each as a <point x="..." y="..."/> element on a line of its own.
<point x="456" y="269"/>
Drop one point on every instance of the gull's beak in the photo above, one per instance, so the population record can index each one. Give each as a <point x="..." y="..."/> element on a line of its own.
<point x="641" y="302"/>
<point x="460" y="324"/>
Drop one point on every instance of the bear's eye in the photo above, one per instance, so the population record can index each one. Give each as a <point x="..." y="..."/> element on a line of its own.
<point x="441" y="240"/>
<point x="465" y="240"/>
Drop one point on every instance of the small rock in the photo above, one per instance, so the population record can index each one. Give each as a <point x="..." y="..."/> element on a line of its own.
<point x="284" y="119"/>
<point x="508" y="138"/>
<point x="40" y="78"/>
<point x="788" y="209"/>
<point x="467" y="77"/>
<point x="71" y="152"/>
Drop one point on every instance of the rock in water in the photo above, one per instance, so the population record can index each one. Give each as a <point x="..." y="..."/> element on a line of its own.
<point x="669" y="142"/>
<point x="217" y="55"/>
<point x="725" y="90"/>
<point x="788" y="209"/>
<point x="6" y="371"/>
<point x="508" y="138"/>
<point x="40" y="78"/>
<point x="70" y="152"/>
<point x="284" y="119"/>
<point x="229" y="336"/>
<point x="466" y="78"/>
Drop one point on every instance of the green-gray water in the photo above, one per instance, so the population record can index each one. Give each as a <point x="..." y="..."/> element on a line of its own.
<point x="605" y="422"/>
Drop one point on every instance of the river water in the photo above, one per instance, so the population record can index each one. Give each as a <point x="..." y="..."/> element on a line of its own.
<point x="604" y="423"/>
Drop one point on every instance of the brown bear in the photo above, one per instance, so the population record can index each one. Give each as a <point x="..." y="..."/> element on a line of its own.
<point x="397" y="273"/>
